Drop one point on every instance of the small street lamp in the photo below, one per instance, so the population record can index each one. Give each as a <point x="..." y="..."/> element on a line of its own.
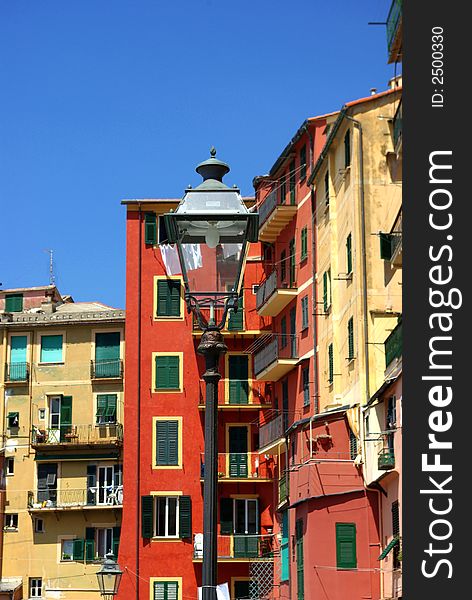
<point x="109" y="577"/>
<point x="212" y="228"/>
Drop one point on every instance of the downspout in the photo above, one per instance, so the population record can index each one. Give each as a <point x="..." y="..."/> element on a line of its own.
<point x="363" y="255"/>
<point x="138" y="440"/>
<point x="379" y="501"/>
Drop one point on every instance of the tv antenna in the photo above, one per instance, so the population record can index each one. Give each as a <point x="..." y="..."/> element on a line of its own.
<point x="52" y="277"/>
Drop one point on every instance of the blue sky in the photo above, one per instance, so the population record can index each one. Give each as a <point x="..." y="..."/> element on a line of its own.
<point x="110" y="99"/>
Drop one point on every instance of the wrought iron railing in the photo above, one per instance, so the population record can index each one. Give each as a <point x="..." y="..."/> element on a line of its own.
<point x="386" y="459"/>
<point x="240" y="546"/>
<point x="17" y="372"/>
<point x="106" y="433"/>
<point x="100" y="496"/>
<point x="280" y="347"/>
<point x="242" y="465"/>
<point x="271" y="431"/>
<point x="267" y="206"/>
<point x="106" y="369"/>
<point x="393" y="345"/>
<point x="393" y="21"/>
<point x="274" y="282"/>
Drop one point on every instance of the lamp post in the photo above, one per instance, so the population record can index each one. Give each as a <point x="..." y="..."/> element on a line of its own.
<point x="109" y="577"/>
<point x="212" y="228"/>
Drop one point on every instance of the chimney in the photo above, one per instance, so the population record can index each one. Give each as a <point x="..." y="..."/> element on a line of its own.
<point x="48" y="306"/>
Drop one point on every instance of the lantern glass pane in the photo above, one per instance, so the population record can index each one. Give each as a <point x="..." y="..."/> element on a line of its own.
<point x="212" y="269"/>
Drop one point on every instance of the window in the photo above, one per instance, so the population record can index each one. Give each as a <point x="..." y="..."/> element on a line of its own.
<point x="165" y="590"/>
<point x="353" y="450"/>
<point x="106" y="409"/>
<point x="166" y="516"/>
<point x="35" y="587"/>
<point x="300" y="560"/>
<point x="306" y="386"/>
<point x="347" y="148"/>
<point x="283" y="189"/>
<point x="167" y="372"/>
<point x="67" y="550"/>
<point x="304" y="243"/>
<point x="349" y="254"/>
<point x="284" y="555"/>
<point x="283" y="332"/>
<point x="13" y="420"/>
<point x="238" y="375"/>
<point x="283" y="266"/>
<point x="98" y="542"/>
<point x="168" y="298"/>
<point x="60" y="418"/>
<point x="13" y="302"/>
<point x="39" y="525"/>
<point x="292" y="257"/>
<point x="330" y="364"/>
<point x="386" y="246"/>
<point x="326" y="188"/>
<point x="302" y="162"/>
<point x="18" y="368"/>
<point x="10" y="466"/>
<point x="104" y="541"/>
<point x="255" y="288"/>
<point x="51" y="349"/>
<point x="163" y="235"/>
<point x="167" y="443"/>
<point x="346" y="557"/>
<point x="236" y="319"/>
<point x="391" y="413"/>
<point x="240" y="517"/>
<point x="292" y="182"/>
<point x="304" y="303"/>
<point x="396" y="533"/>
<point x="11" y="521"/>
<point x="107" y="355"/>
<point x="150" y="229"/>
<point x="326" y="290"/>
<point x="350" y="339"/>
<point x="41" y="414"/>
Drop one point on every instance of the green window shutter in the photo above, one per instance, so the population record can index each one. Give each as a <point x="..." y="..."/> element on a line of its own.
<point x="304" y="243"/>
<point x="350" y="338"/>
<point x="325" y="291"/>
<point x="226" y="516"/>
<point x="111" y="406"/>
<point x="386" y="246"/>
<point x="292" y="182"/>
<point x="66" y="416"/>
<point x="14" y="302"/>
<point x="390" y="546"/>
<point x="165" y="590"/>
<point x="353" y="449"/>
<point x="116" y="541"/>
<point x="302" y="162"/>
<point x="283" y="332"/>
<point x="91" y="484"/>
<point x="167" y="372"/>
<point x="89" y="544"/>
<point x="330" y="364"/>
<point x="168" y="298"/>
<point x="238" y="371"/>
<point x="395" y="518"/>
<point x="304" y="303"/>
<point x="346" y="557"/>
<point x="150" y="229"/>
<point x="347" y="148"/>
<point x="283" y="189"/>
<point x="147" y="511"/>
<point x="51" y="349"/>
<point x="79" y="548"/>
<point x="102" y="402"/>
<point x="235" y="320"/>
<point x="284" y="554"/>
<point x="326" y="185"/>
<point x="349" y="254"/>
<point x="167" y="443"/>
<point x="185" y="517"/>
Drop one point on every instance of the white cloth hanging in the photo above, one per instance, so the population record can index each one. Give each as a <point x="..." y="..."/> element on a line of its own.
<point x="222" y="592"/>
<point x="170" y="258"/>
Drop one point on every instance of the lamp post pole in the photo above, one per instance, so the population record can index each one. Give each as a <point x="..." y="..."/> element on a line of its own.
<point x="212" y="347"/>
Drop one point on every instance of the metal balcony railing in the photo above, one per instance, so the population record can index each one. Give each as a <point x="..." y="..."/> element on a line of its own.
<point x="271" y="431"/>
<point x="106" y="369"/>
<point x="240" y="546"/>
<point x="17" y="372"/>
<point x="267" y="206"/>
<point x="393" y="21"/>
<point x="397" y="125"/>
<point x="99" y="496"/>
<point x="280" y="347"/>
<point x="242" y="465"/>
<point x="386" y="459"/>
<point x="103" y="434"/>
<point x="393" y="345"/>
<point x="278" y="279"/>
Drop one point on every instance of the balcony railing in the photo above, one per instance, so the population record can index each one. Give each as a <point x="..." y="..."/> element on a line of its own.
<point x="283" y="489"/>
<point x="265" y="209"/>
<point x="271" y="431"/>
<point x="239" y="393"/>
<point x="386" y="459"/>
<point x="74" y="435"/>
<point x="17" y="372"/>
<point x="263" y="547"/>
<point x="242" y="465"/>
<point x="397" y="126"/>
<point x="97" y="496"/>
<point x="277" y="291"/>
<point x="393" y="345"/>
<point x="274" y="215"/>
<point x="393" y="22"/>
<point x="283" y="347"/>
<point x="106" y="369"/>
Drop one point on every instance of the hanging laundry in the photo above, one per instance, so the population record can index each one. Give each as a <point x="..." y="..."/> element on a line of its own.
<point x="192" y="256"/>
<point x="170" y="258"/>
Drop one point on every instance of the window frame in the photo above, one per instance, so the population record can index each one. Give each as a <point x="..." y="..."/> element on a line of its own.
<point x="303" y="165"/>
<point x="350" y="340"/>
<point x="14" y="297"/>
<point x="98" y="530"/>
<point x="304" y="244"/>
<point x="98" y="421"/>
<point x="179" y="421"/>
<point x="61" y="334"/>
<point x="349" y="254"/>
<point x="71" y="554"/>
<point x="9" y="522"/>
<point x="36" y="528"/>
<point x="156" y="390"/>
<point x="9" y="466"/>
<point x="33" y="585"/>
<point x="154" y="580"/>
<point x="305" y="313"/>
<point x="306" y="386"/>
<point x="157" y="500"/>
<point x="330" y="364"/>
<point x="181" y="315"/>
<point x="339" y="564"/>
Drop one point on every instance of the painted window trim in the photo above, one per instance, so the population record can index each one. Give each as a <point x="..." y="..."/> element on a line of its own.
<point x="179" y="464"/>
<point x="166" y="538"/>
<point x="178" y="390"/>
<point x="119" y="401"/>
<point x="94" y="332"/>
<point x="64" y="347"/>
<point x="170" y="579"/>
<point x="155" y="298"/>
<point x="226" y="379"/>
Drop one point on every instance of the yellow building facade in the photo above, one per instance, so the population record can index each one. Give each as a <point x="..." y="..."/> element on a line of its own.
<point x="61" y="387"/>
<point x="357" y="181"/>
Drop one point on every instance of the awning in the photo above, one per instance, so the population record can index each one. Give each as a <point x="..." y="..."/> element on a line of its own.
<point x="389" y="547"/>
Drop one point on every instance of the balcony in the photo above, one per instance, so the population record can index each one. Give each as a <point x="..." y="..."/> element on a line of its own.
<point x="395" y="31"/>
<point x="106" y="369"/>
<point x="283" y="490"/>
<point x="17" y="372"/>
<point x="239" y="394"/>
<point x="242" y="466"/>
<point x="386" y="459"/>
<point x="393" y="345"/>
<point x="239" y="547"/>
<point x="277" y="358"/>
<point x="273" y="217"/>
<point x="72" y="436"/>
<point x="272" y="434"/>
<point x="70" y="499"/>
<point x="274" y="295"/>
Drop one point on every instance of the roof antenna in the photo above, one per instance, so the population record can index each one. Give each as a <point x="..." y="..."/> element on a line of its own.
<point x="52" y="277"/>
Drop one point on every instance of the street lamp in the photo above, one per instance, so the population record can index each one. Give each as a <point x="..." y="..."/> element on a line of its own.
<point x="109" y="577"/>
<point x="212" y="228"/>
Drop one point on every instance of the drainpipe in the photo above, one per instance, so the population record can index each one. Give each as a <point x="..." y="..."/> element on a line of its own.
<point x="314" y="301"/>
<point x="138" y="440"/>
<point x="363" y="254"/>
<point x="379" y="503"/>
